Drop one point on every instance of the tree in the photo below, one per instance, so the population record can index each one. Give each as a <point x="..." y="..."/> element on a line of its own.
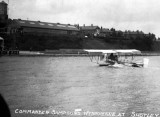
<point x="113" y="32"/>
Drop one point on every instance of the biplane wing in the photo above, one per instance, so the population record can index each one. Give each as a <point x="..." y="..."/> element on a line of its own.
<point x="131" y="51"/>
<point x="100" y="57"/>
<point x="128" y="51"/>
<point x="100" y="51"/>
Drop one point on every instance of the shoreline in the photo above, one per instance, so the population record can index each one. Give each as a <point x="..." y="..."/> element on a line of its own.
<point x="66" y="54"/>
<point x="70" y="55"/>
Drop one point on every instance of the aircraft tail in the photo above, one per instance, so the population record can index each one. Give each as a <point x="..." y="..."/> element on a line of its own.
<point x="145" y="62"/>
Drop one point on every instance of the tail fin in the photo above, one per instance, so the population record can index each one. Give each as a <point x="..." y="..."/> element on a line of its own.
<point x="145" y="62"/>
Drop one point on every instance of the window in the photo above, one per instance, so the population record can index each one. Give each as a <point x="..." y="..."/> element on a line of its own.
<point x="50" y="25"/>
<point x="31" y="22"/>
<point x="21" y="22"/>
<point x="61" y="25"/>
<point x="71" y="26"/>
<point x="41" y="24"/>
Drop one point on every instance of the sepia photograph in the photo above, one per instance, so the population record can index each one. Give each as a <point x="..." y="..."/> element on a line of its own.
<point x="79" y="58"/>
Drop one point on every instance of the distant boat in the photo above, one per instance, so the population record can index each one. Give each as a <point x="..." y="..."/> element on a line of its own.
<point x="117" y="58"/>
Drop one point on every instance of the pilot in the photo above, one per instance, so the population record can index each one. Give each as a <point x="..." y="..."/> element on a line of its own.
<point x="113" y="58"/>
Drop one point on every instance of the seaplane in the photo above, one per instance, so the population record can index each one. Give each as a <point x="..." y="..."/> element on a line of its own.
<point x="117" y="58"/>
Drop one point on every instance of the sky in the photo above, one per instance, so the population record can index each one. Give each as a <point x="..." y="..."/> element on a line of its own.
<point x="143" y="15"/>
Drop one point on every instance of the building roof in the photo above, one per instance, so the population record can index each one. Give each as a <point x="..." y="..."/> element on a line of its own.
<point x="89" y="27"/>
<point x="3" y="2"/>
<point x="46" y="25"/>
<point x="104" y="30"/>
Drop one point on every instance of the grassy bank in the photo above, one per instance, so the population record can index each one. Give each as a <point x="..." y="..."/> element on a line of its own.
<point x="40" y="43"/>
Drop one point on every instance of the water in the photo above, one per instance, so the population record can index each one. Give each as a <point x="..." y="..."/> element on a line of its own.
<point x="69" y="83"/>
